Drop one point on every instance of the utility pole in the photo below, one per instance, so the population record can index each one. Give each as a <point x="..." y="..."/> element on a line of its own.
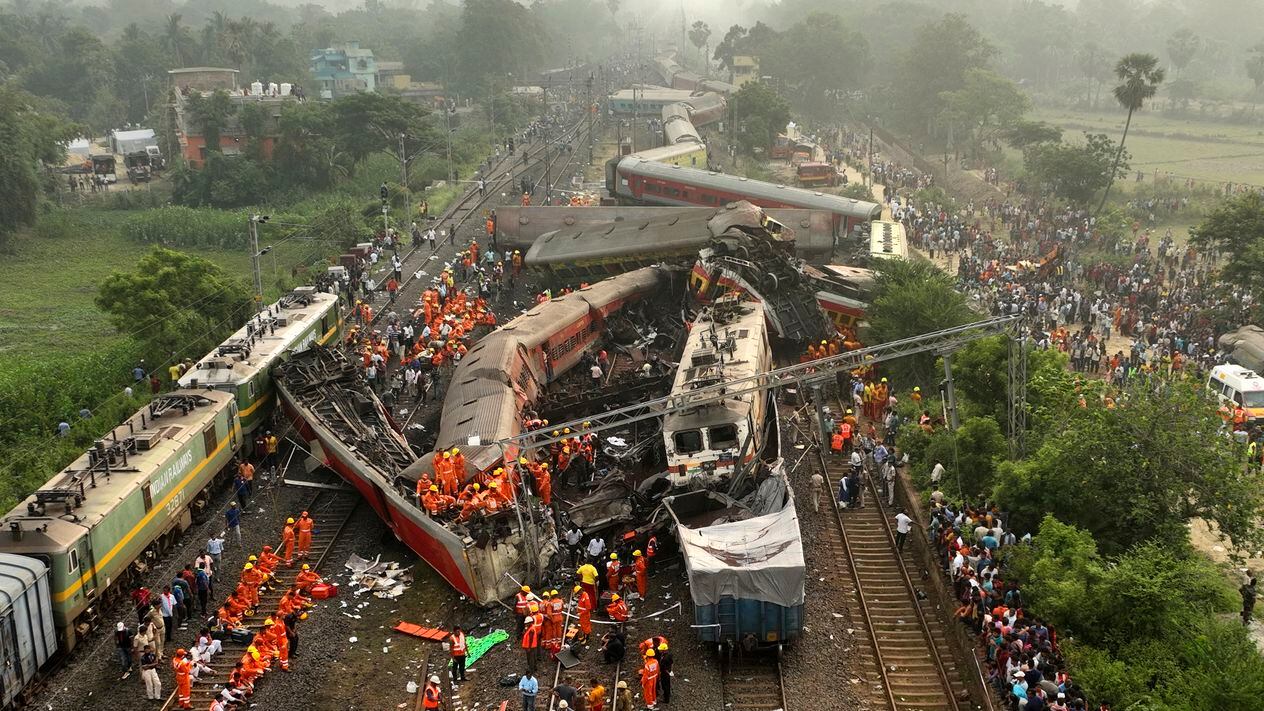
<point x="403" y="163"/>
<point x="255" y="253"/>
<point x="589" y="109"/>
<point x="869" y="178"/>
<point x="544" y="131"/>
<point x="447" y="125"/>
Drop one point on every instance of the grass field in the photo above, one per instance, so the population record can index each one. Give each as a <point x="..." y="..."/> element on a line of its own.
<point x="1188" y="148"/>
<point x="48" y="285"/>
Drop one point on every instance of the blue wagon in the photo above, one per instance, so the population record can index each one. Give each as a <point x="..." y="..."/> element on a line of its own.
<point x="745" y="565"/>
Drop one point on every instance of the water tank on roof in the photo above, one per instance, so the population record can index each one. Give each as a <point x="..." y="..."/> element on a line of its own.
<point x="256" y="88"/>
<point x="286" y="88"/>
<point x="272" y="89"/>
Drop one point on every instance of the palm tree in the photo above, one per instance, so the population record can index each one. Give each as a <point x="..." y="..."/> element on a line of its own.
<point x="698" y="35"/>
<point x="1141" y="76"/>
<point x="175" y="37"/>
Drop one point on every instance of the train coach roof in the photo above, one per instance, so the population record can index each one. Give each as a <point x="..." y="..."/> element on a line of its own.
<point x="756" y="189"/>
<point x="760" y="558"/>
<point x="685" y="232"/>
<point x="294" y="314"/>
<point x="158" y="463"/>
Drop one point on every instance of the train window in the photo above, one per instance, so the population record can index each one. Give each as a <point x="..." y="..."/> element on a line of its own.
<point x="149" y="499"/>
<point x="723" y="436"/>
<point x="209" y="440"/>
<point x="688" y="441"/>
<point x="250" y="389"/>
<point x="73" y="565"/>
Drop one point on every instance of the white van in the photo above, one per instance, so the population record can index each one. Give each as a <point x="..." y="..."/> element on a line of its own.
<point x="1234" y="385"/>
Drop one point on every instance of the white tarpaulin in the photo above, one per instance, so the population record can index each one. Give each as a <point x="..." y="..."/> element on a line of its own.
<point x="760" y="558"/>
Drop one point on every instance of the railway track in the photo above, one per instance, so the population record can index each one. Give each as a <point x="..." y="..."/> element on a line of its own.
<point x="908" y="646"/>
<point x="754" y="684"/>
<point x="332" y="510"/>
<point x="590" y="666"/>
<point x="504" y="174"/>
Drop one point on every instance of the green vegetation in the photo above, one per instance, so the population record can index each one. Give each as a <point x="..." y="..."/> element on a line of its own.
<point x="761" y="113"/>
<point x="1236" y="227"/>
<point x="911" y="298"/>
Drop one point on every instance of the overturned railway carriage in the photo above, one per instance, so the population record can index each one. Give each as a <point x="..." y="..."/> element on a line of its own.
<point x="242" y="364"/>
<point x="632" y="179"/>
<point x="125" y="499"/>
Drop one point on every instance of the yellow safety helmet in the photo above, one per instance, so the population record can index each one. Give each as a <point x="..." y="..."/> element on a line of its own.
<point x="252" y="559"/>
<point x="499" y="470"/>
<point x="303" y="616"/>
<point x="614" y="556"/>
<point x="553" y="592"/>
<point x="306" y="566"/>
<point x="268" y="621"/>
<point x="447" y="455"/>
<point x="434" y="487"/>
<point x="556" y="433"/>
<point x="289" y="520"/>
<point x="456" y="451"/>
<point x="544" y="421"/>
<point x="614" y="597"/>
<point x="916" y="389"/>
<point x="566" y="430"/>
<point x="249" y="566"/>
<point x="577" y="589"/>
<point x="526" y="588"/>
<point x="493" y="484"/>
<point x="477" y="487"/>
<point x="649" y="652"/>
<point x="587" y="423"/>
<point x="522" y="460"/>
<point x="884" y="380"/>
<point x="636" y="553"/>
<point x="823" y="342"/>
<point x="662" y="646"/>
<point x="544" y="465"/>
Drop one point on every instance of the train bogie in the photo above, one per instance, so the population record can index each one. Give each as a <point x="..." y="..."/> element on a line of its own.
<point x="28" y="638"/>
<point x="747" y="622"/>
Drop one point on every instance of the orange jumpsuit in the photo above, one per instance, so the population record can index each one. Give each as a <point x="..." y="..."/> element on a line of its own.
<point x="585" y="607"/>
<point x="557" y="629"/>
<point x="544" y="485"/>
<point x="618" y="610"/>
<point x="287" y="541"/>
<point x="612" y="575"/>
<point x="445" y="472"/>
<point x="641" y="574"/>
<point x="184" y="681"/>
<point x="305" y="536"/>
<point x="306" y="579"/>
<point x="649" y="681"/>
<point x="280" y="643"/>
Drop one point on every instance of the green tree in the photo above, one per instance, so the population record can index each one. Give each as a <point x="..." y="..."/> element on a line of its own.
<point x="367" y="123"/>
<point x="176" y="39"/>
<point x="985" y="106"/>
<point x="496" y="38"/>
<point x="29" y="137"/>
<point x="936" y="61"/>
<point x="75" y="72"/>
<point x="1090" y="60"/>
<point x="1255" y="68"/>
<point x="759" y="112"/>
<point x="1181" y="46"/>
<point x="1236" y="227"/>
<point x="819" y="60"/>
<point x="728" y="47"/>
<point x="1021" y="134"/>
<point x="1141" y="76"/>
<point x="700" y="35"/>
<point x="175" y="302"/>
<point x="140" y="72"/>
<point x="912" y="297"/>
<point x="1137" y="472"/>
<point x="1076" y="171"/>
<point x="211" y="114"/>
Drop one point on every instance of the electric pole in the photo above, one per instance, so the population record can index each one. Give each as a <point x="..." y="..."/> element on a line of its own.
<point x="544" y="131"/>
<point x="447" y="124"/>
<point x="254" y="259"/>
<point x="403" y="163"/>
<point x="590" y="111"/>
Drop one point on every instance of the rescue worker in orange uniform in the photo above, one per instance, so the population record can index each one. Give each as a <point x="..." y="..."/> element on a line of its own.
<point x="649" y="679"/>
<point x="287" y="540"/>
<point x="306" y="578"/>
<point x="533" y="628"/>
<point x="445" y="473"/>
<point x="642" y="573"/>
<point x="436" y="503"/>
<point x="613" y="578"/>
<point x="268" y="561"/>
<point x="584" y="604"/>
<point x="305" y="524"/>
<point x="617" y="609"/>
<point x="651" y="550"/>
<point x="522" y="605"/>
<point x="544" y="484"/>
<point x="278" y="641"/>
<point x="252" y="579"/>
<point x="652" y="643"/>
<point x="546" y="623"/>
<point x="557" y="625"/>
<point x="458" y="466"/>
<point x="183" y="667"/>
<point x="457" y="644"/>
<point x="431" y="697"/>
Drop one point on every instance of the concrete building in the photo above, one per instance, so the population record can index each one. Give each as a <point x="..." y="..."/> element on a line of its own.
<point x="202" y="81"/>
<point x="745" y="70"/>
<point x="344" y="69"/>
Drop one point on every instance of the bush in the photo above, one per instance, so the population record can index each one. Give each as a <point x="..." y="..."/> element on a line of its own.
<point x="189" y="227"/>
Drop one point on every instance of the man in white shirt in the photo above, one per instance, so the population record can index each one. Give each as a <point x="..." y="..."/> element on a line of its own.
<point x="903" y="524"/>
<point x="936" y="474"/>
